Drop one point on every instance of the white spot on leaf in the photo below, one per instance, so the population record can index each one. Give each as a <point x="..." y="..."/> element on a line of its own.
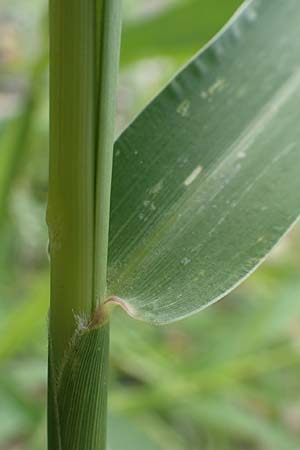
<point x="192" y="177"/>
<point x="157" y="188"/>
<point x="184" y="108"/>
<point x="218" y="86"/>
<point x="185" y="261"/>
<point x="241" y="155"/>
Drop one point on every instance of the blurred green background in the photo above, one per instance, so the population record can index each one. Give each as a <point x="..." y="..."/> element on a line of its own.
<point x="227" y="379"/>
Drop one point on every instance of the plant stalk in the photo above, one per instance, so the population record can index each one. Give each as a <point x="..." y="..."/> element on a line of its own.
<point x="84" y="57"/>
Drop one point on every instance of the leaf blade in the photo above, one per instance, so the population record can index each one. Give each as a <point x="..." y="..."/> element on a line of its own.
<point x="206" y="179"/>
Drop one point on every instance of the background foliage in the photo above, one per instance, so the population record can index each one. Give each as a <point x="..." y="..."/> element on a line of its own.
<point x="225" y="379"/>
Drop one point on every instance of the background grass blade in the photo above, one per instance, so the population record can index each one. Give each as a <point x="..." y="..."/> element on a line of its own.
<point x="26" y="320"/>
<point x="180" y="30"/>
<point x="15" y="137"/>
<point x="213" y="166"/>
<point x="122" y="434"/>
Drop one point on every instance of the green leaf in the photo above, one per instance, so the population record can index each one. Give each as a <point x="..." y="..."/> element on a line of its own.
<point x="25" y="321"/>
<point x="206" y="179"/>
<point x="226" y="417"/>
<point x="15" y="135"/>
<point x="122" y="434"/>
<point x="178" y="31"/>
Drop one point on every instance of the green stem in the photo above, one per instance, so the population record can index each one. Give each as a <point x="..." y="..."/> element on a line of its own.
<point x="70" y="212"/>
<point x="84" y="54"/>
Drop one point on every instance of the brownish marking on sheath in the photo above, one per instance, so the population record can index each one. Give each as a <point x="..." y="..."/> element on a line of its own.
<point x="99" y="318"/>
